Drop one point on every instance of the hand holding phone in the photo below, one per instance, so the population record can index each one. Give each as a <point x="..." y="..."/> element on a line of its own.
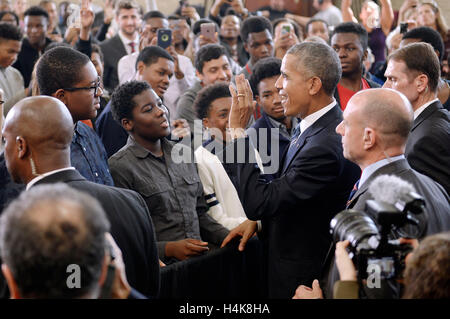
<point x="164" y="38"/>
<point x="208" y="30"/>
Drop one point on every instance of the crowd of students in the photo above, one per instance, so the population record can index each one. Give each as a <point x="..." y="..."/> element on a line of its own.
<point x="272" y="124"/>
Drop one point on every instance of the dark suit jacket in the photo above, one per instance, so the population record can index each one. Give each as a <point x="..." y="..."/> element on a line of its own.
<point x="296" y="208"/>
<point x="437" y="214"/>
<point x="283" y="143"/>
<point x="112" y="134"/>
<point x="131" y="228"/>
<point x="113" y="49"/>
<point x="428" y="146"/>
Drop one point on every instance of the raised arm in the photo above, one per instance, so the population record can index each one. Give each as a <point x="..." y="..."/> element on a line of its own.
<point x="387" y="16"/>
<point x="347" y="12"/>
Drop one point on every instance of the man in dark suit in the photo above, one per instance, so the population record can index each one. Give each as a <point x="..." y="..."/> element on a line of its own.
<point x="315" y="179"/>
<point x="414" y="70"/>
<point x="125" y="42"/>
<point x="38" y="152"/>
<point x="377" y="146"/>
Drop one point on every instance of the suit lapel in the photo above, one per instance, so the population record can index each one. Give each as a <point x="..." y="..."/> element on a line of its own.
<point x="327" y="119"/>
<point x="433" y="107"/>
<point x="120" y="45"/>
<point x="391" y="168"/>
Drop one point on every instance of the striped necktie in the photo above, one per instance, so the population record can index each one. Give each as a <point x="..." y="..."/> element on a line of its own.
<point x="352" y="193"/>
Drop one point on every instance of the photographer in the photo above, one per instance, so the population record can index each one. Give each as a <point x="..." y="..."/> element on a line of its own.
<point x="377" y="146"/>
<point x="425" y="275"/>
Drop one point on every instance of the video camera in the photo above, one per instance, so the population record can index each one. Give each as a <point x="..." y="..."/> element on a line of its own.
<point x="374" y="243"/>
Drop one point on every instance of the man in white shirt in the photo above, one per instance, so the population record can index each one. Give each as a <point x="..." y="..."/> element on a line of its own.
<point x="11" y="81"/>
<point x="125" y="42"/>
<point x="184" y="72"/>
<point x="414" y="70"/>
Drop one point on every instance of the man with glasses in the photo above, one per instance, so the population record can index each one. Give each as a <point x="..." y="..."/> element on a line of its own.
<point x="80" y="91"/>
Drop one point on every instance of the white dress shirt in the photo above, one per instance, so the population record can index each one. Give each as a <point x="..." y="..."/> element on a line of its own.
<point x="312" y="118"/>
<point x="369" y="170"/>
<point x="126" y="42"/>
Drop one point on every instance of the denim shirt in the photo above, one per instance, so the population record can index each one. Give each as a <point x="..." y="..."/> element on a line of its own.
<point x="88" y="155"/>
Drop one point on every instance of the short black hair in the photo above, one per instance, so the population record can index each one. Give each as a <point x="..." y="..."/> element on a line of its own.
<point x="36" y="11"/>
<point x="10" y="32"/>
<point x="356" y="28"/>
<point x="314" y="20"/>
<point x="3" y="13"/>
<point x="263" y="69"/>
<point x="207" y="53"/>
<point x="38" y="252"/>
<point x="151" y="54"/>
<point x="209" y="94"/>
<point x="196" y="27"/>
<point x="427" y="35"/>
<point x="122" y="103"/>
<point x="56" y="69"/>
<point x="253" y="25"/>
<point x="154" y="14"/>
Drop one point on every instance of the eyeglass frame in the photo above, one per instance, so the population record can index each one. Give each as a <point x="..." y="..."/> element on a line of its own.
<point x="96" y="87"/>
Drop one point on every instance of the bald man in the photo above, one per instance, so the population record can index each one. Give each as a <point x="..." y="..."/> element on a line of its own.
<point x="374" y="132"/>
<point x="38" y="152"/>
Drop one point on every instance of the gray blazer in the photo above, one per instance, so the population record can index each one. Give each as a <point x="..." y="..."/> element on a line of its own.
<point x="437" y="201"/>
<point x="437" y="214"/>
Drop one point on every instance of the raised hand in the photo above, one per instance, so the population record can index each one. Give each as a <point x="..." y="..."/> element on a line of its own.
<point x="242" y="106"/>
<point x="108" y="12"/>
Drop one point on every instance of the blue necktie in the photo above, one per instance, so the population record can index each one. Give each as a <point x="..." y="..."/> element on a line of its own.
<point x="293" y="146"/>
<point x="352" y="193"/>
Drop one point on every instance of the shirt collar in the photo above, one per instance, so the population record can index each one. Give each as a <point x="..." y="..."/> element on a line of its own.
<point x="369" y="170"/>
<point x="312" y="118"/>
<point x="423" y="107"/>
<point x="126" y="42"/>
<point x="141" y="152"/>
<point x="41" y="176"/>
<point x="78" y="129"/>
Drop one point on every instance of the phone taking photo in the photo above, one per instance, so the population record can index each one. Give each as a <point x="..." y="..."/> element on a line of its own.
<point x="164" y="38"/>
<point x="285" y="29"/>
<point x="208" y="30"/>
<point x="403" y="27"/>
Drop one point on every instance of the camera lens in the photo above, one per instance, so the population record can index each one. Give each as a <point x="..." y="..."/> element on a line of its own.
<point x="353" y="226"/>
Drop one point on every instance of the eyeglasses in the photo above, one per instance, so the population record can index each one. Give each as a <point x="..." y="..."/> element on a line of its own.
<point x="95" y="88"/>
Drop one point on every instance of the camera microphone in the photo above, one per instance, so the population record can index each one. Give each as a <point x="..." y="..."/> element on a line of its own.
<point x="390" y="189"/>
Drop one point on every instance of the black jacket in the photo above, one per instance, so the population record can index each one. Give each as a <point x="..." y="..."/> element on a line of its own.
<point x="296" y="208"/>
<point x="428" y="146"/>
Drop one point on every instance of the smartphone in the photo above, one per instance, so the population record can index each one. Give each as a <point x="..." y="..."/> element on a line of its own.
<point x="285" y="29"/>
<point x="403" y="27"/>
<point x="164" y="38"/>
<point x="208" y="30"/>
